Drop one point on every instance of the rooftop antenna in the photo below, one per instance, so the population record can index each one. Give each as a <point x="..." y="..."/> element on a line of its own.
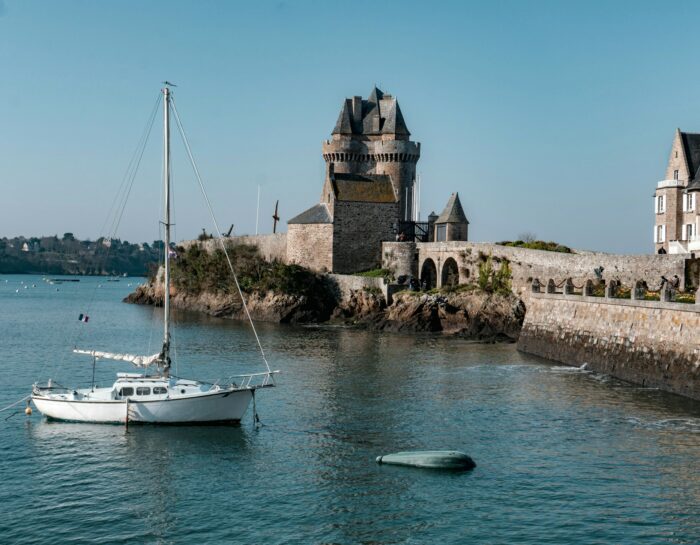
<point x="166" y="82"/>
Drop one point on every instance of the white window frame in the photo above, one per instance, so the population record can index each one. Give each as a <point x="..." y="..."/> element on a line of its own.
<point x="689" y="202"/>
<point x="661" y="204"/>
<point x="660" y="234"/>
<point x="689" y="231"/>
<point x="675" y="174"/>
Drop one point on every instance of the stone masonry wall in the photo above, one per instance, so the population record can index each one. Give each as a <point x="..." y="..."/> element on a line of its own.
<point x="650" y="343"/>
<point x="311" y="245"/>
<point x="528" y="264"/>
<point x="358" y="232"/>
<point x="401" y="258"/>
<point x="347" y="283"/>
<point x="272" y="246"/>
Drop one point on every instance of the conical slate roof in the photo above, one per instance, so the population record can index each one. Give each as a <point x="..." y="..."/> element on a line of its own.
<point x="453" y="212"/>
<point x="343" y="125"/>
<point x="376" y="95"/>
<point x="394" y="123"/>
<point x="380" y="115"/>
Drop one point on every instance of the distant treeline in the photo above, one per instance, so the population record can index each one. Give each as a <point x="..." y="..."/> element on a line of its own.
<point x="68" y="255"/>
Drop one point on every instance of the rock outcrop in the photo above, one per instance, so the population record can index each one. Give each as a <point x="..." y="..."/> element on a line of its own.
<point x="472" y="314"/>
<point x="267" y="307"/>
<point x="476" y="315"/>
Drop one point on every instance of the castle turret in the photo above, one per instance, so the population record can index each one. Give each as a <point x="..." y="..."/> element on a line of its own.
<point x="371" y="137"/>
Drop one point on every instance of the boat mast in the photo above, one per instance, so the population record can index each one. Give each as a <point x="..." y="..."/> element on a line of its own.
<point x="165" y="355"/>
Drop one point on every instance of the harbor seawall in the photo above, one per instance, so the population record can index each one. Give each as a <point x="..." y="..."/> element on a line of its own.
<point x="651" y="343"/>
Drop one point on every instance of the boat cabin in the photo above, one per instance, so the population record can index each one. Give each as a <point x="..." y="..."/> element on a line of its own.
<point x="138" y="387"/>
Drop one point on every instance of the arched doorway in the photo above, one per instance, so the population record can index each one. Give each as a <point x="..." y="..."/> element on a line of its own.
<point x="428" y="274"/>
<point x="450" y="273"/>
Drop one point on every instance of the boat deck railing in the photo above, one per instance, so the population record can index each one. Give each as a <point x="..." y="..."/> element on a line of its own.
<point x="251" y="380"/>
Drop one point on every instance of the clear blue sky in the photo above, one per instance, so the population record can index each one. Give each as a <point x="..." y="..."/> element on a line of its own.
<point x="549" y="117"/>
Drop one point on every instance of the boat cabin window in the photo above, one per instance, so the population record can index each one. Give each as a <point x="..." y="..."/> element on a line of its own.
<point x="126" y="392"/>
<point x="143" y="391"/>
<point x="160" y="390"/>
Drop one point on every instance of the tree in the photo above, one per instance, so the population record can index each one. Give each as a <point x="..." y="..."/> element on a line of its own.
<point x="527" y="236"/>
<point x="68" y="236"/>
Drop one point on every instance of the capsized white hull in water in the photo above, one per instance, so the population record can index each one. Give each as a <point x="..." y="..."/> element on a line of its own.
<point x="153" y="400"/>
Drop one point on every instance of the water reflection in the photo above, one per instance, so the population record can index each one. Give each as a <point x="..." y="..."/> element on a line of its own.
<point x="562" y="455"/>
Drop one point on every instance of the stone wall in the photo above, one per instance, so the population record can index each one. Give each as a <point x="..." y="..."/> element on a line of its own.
<point x="528" y="264"/>
<point x="650" y="343"/>
<point x="401" y="258"/>
<point x="347" y="283"/>
<point x="359" y="229"/>
<point x="311" y="245"/>
<point x="273" y="247"/>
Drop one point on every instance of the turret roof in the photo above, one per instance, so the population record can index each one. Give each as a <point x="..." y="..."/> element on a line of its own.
<point x="380" y="115"/>
<point x="453" y="212"/>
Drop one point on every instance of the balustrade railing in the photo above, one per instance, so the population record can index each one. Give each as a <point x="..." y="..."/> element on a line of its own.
<point x="666" y="292"/>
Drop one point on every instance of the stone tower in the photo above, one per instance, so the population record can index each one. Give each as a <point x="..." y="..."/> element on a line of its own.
<point x="371" y="138"/>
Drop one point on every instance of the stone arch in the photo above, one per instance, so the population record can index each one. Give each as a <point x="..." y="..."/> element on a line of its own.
<point x="450" y="273"/>
<point x="428" y="274"/>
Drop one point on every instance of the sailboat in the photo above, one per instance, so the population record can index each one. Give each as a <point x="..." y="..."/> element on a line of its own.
<point x="153" y="395"/>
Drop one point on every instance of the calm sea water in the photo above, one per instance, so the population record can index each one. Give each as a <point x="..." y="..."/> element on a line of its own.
<point x="562" y="456"/>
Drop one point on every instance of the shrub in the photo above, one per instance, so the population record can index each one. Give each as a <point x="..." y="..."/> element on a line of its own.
<point x="537" y="245"/>
<point x="495" y="281"/>
<point x="196" y="270"/>
<point x="375" y="273"/>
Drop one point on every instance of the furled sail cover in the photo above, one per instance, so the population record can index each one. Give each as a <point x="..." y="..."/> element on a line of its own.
<point x="138" y="361"/>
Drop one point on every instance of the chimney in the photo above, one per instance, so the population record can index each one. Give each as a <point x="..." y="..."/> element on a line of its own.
<point x="357" y="109"/>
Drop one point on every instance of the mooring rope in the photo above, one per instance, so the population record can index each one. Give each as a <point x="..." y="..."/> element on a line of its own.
<point x="16" y="403"/>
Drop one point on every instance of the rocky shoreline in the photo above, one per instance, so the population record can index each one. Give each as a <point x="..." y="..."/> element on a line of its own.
<point x="471" y="314"/>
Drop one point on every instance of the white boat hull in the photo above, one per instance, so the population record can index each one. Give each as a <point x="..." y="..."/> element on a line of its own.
<point x="223" y="406"/>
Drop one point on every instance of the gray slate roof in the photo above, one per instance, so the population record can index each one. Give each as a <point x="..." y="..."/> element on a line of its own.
<point x="381" y="114"/>
<point x="316" y="214"/>
<point x="453" y="212"/>
<point x="374" y="188"/>
<point x="691" y="146"/>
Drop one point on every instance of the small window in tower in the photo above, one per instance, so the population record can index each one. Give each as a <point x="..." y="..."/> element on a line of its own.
<point x="675" y="174"/>
<point x="660" y="204"/>
<point x="676" y="154"/>
<point x="441" y="234"/>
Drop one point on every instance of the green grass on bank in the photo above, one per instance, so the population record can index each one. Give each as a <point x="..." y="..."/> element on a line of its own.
<point x="538" y="245"/>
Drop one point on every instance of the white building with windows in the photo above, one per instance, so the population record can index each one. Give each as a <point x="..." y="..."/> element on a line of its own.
<point x="677" y="218"/>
